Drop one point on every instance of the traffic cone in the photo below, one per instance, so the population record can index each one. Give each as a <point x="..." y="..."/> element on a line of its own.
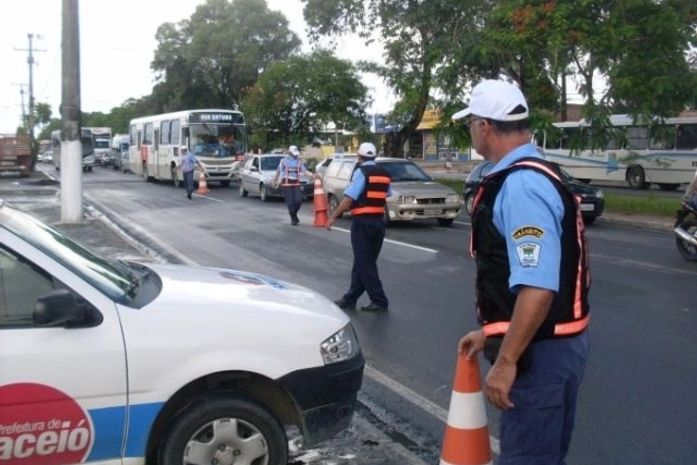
<point x="202" y="186"/>
<point x="466" y="439"/>
<point x="319" y="204"/>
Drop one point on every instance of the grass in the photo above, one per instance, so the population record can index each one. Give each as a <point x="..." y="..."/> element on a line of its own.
<point x="648" y="204"/>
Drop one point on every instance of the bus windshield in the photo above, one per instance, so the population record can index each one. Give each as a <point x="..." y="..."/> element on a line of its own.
<point x="217" y="140"/>
<point x="101" y="143"/>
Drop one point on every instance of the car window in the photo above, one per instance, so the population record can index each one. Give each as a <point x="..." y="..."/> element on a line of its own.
<point x="270" y="163"/>
<point x="405" y="171"/>
<point x="255" y="162"/>
<point x="346" y="170"/>
<point x="21" y="284"/>
<point x="333" y="169"/>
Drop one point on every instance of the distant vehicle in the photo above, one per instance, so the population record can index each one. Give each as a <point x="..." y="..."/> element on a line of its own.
<point x="87" y="140"/>
<point x="257" y="173"/>
<point x="15" y="154"/>
<point x="46" y="157"/>
<point x="217" y="137"/>
<point x="592" y="198"/>
<point x="103" y="155"/>
<point x="415" y="195"/>
<point x="119" y="149"/>
<point x="321" y="167"/>
<point x="661" y="152"/>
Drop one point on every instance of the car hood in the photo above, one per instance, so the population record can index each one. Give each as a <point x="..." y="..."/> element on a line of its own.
<point x="420" y="188"/>
<point x="215" y="290"/>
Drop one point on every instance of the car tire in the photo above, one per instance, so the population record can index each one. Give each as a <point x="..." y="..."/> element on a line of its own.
<point x="636" y="178"/>
<point x="224" y="428"/>
<point x="333" y="205"/>
<point x="445" y="222"/>
<point x="175" y="177"/>
<point x="263" y="194"/>
<point x="243" y="191"/>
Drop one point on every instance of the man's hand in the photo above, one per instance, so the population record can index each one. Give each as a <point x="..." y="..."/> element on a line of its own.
<point x="498" y="384"/>
<point x="471" y="344"/>
<point x="330" y="222"/>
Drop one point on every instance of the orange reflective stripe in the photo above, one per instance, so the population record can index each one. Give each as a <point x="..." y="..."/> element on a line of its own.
<point x="496" y="328"/>
<point x="539" y="166"/>
<point x="378" y="179"/>
<point x="376" y="195"/>
<point x="368" y="210"/>
<point x="562" y="329"/>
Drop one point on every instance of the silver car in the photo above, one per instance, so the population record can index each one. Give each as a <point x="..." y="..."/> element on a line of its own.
<point x="414" y="194"/>
<point x="256" y="177"/>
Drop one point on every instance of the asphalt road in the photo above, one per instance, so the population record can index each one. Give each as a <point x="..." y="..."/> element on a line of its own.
<point x="637" y="404"/>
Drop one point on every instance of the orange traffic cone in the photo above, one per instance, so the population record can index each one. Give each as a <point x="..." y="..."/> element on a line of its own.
<point x="202" y="186"/>
<point x="466" y="439"/>
<point x="319" y="204"/>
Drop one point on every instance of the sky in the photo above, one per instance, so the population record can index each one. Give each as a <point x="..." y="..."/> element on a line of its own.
<point x="117" y="44"/>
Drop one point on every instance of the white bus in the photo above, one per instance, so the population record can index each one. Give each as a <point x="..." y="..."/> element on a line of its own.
<point x="217" y="137"/>
<point x="663" y="153"/>
<point x="102" y="145"/>
<point x="87" y="140"/>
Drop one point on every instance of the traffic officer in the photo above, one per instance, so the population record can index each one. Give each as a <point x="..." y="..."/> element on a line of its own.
<point x="365" y="196"/>
<point x="532" y="282"/>
<point x="290" y="170"/>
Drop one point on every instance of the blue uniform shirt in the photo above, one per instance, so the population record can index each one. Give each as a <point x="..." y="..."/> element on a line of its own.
<point x="288" y="165"/>
<point x="355" y="189"/>
<point x="528" y="212"/>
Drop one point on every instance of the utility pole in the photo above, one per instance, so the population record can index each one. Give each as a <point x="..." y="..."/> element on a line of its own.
<point x="71" y="145"/>
<point x="21" y="93"/>
<point x="30" y="60"/>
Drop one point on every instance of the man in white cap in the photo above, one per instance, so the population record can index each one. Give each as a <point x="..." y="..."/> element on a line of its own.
<point x="532" y="282"/>
<point x="290" y="170"/>
<point x="365" y="196"/>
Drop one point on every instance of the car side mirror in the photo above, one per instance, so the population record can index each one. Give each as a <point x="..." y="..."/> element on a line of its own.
<point x="57" y="308"/>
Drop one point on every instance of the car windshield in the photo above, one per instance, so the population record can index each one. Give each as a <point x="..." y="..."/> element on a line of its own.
<point x="270" y="163"/>
<point x="217" y="140"/>
<point x="402" y="171"/>
<point x="113" y="278"/>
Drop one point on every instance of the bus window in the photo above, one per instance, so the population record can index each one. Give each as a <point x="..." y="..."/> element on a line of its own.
<point x="164" y="132"/>
<point x="637" y="137"/>
<point x="569" y="138"/>
<point x="174" y="137"/>
<point x="662" y="137"/>
<point x="553" y="138"/>
<point x="148" y="135"/>
<point x="687" y="137"/>
<point x="132" y="135"/>
<point x="615" y="139"/>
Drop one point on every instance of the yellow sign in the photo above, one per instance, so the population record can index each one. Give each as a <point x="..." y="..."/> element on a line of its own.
<point x="429" y="120"/>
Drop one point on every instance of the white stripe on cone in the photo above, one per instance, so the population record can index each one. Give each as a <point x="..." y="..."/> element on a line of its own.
<point x="443" y="462"/>
<point x="467" y="410"/>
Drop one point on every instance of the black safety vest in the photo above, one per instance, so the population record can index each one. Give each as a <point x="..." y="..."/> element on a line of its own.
<point x="374" y="196"/>
<point x="569" y="312"/>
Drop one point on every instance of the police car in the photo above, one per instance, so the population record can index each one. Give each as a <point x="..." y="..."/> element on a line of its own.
<point x="112" y="362"/>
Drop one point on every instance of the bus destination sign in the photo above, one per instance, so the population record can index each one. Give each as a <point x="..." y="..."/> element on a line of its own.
<point x="216" y="117"/>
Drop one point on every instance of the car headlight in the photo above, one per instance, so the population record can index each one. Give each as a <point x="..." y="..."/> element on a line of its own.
<point x="341" y="346"/>
<point x="452" y="198"/>
<point x="407" y="199"/>
<point x="599" y="194"/>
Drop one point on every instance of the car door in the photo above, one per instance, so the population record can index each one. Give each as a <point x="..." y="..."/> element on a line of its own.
<point x="62" y="390"/>
<point x="254" y="175"/>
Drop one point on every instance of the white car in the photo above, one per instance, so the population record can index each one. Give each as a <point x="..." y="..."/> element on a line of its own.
<point x="111" y="362"/>
<point x="257" y="174"/>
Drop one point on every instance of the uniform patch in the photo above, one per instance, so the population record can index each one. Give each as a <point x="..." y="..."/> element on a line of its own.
<point x="533" y="231"/>
<point x="529" y="254"/>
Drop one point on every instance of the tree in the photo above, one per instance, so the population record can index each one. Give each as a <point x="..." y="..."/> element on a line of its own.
<point x="295" y="97"/>
<point x="212" y="58"/>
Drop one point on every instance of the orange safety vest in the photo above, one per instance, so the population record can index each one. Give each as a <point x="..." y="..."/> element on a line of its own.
<point x="374" y="197"/>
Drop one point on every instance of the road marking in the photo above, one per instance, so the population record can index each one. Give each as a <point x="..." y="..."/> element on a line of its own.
<point x="209" y="198"/>
<point x="464" y="223"/>
<point x="392" y="241"/>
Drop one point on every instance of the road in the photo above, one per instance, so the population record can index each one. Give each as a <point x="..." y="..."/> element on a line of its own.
<point x="637" y="404"/>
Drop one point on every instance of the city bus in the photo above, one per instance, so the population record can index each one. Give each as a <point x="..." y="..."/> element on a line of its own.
<point x="662" y="152"/>
<point x="102" y="145"/>
<point x="217" y="137"/>
<point x="87" y="140"/>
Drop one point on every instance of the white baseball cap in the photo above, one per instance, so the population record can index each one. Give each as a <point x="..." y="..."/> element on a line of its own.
<point x="368" y="150"/>
<point x="497" y="100"/>
<point x="294" y="150"/>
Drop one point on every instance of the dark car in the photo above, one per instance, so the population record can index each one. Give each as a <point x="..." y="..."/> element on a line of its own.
<point x="592" y="200"/>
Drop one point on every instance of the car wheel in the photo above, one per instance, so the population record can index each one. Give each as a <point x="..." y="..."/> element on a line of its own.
<point x="243" y="192"/>
<point x="636" y="178"/>
<point x="225" y="183"/>
<point x="175" y="177"/>
<point x="469" y="203"/>
<point x="263" y="195"/>
<point x="333" y="205"/>
<point x="229" y="429"/>
<point x="446" y="221"/>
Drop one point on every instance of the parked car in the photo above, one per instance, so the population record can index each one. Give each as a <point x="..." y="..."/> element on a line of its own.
<point x="256" y="177"/>
<point x="414" y="194"/>
<point x="46" y="157"/>
<point x="108" y="361"/>
<point x="592" y="198"/>
<point x="322" y="166"/>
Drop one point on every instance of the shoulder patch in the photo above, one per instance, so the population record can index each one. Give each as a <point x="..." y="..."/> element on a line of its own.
<point x="529" y="254"/>
<point x="528" y="231"/>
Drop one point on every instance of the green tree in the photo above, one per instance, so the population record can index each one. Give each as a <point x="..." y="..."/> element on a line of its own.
<point x="294" y="98"/>
<point x="212" y="58"/>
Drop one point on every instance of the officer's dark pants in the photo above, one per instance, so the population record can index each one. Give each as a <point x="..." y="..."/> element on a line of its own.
<point x="189" y="182"/>
<point x="367" y="235"/>
<point x="294" y="199"/>
<point x="537" y="431"/>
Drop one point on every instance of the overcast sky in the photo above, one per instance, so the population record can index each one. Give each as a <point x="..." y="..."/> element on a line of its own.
<point x="117" y="42"/>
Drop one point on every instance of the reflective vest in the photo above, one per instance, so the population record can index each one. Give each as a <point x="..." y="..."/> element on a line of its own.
<point x="290" y="171"/>
<point x="374" y="196"/>
<point x="569" y="312"/>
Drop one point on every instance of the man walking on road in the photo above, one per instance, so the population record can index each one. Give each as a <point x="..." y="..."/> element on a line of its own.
<point x="290" y="170"/>
<point x="187" y="164"/>
<point x="532" y="282"/>
<point x="365" y="197"/>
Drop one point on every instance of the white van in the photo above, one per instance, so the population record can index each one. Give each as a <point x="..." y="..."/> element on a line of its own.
<point x="119" y="148"/>
<point x="111" y="362"/>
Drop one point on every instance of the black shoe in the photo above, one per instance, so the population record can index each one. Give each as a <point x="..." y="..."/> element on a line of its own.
<point x="294" y="220"/>
<point x="373" y="307"/>
<point x="344" y="305"/>
<point x="189" y="196"/>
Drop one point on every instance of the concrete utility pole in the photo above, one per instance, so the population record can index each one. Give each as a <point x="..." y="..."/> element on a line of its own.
<point x="30" y="60"/>
<point x="71" y="145"/>
<point x="21" y="93"/>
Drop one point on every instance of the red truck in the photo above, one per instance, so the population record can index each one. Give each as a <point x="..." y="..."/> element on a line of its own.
<point x="15" y="154"/>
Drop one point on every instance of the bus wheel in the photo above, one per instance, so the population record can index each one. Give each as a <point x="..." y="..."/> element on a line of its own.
<point x="668" y="186"/>
<point x="175" y="177"/>
<point x="636" y="178"/>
